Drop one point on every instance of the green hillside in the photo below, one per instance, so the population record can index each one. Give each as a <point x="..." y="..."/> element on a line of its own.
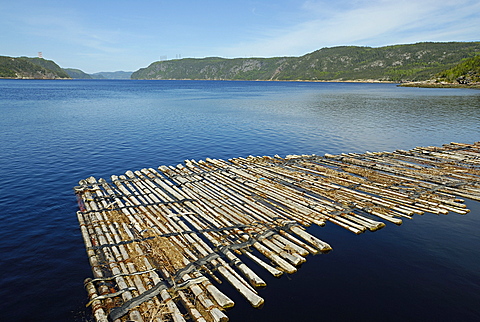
<point x="397" y="63"/>
<point x="49" y="65"/>
<point x="466" y="72"/>
<point x="23" y="67"/>
<point x="77" y="73"/>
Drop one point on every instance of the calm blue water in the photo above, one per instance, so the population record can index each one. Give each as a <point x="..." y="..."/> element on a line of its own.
<point x="54" y="133"/>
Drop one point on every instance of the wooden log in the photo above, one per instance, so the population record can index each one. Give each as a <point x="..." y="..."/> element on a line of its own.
<point x="391" y="195"/>
<point x="97" y="307"/>
<point x="305" y="246"/>
<point x="214" y="312"/>
<point x="130" y="267"/>
<point x="116" y="269"/>
<point x="272" y="270"/>
<point x="370" y="224"/>
<point x="314" y="241"/>
<point x="277" y="250"/>
<point x="351" y="226"/>
<point x="301" y="217"/>
<point x="253" y="278"/>
<point x="379" y="214"/>
<point x="287" y="245"/>
<point x="224" y="270"/>
<point x="283" y="264"/>
<point x="237" y="194"/>
<point x="294" y="258"/>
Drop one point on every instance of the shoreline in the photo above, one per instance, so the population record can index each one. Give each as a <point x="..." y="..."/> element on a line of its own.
<point x="280" y="80"/>
<point x="419" y="84"/>
<point x="426" y="84"/>
<point x="226" y="80"/>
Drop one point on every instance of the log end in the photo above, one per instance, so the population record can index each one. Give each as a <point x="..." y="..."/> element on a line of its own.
<point x="376" y="227"/>
<point x="228" y="305"/>
<point x="326" y="249"/>
<point x="397" y="221"/>
<point x="258" y="303"/>
<point x="291" y="270"/>
<point x="258" y="284"/>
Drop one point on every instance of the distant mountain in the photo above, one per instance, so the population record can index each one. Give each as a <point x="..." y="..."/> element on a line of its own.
<point x="112" y="75"/>
<point x="36" y="68"/>
<point x="77" y="73"/>
<point x="97" y="76"/>
<point x="396" y="63"/>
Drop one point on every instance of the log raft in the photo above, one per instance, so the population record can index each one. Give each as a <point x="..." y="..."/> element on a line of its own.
<point x="161" y="241"/>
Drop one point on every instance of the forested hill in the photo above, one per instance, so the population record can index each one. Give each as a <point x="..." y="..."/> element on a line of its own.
<point x="412" y="62"/>
<point x="467" y="72"/>
<point x="24" y="67"/>
<point x="77" y="73"/>
<point x="39" y="68"/>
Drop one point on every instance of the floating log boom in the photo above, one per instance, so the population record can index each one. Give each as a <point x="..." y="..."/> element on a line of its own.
<point x="161" y="241"/>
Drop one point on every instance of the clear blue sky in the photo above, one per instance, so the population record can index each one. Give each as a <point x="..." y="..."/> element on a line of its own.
<point x="104" y="35"/>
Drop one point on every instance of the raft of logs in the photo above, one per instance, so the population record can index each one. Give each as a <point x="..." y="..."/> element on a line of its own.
<point x="160" y="240"/>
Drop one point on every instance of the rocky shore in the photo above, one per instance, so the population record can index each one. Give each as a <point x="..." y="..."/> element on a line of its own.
<point x="432" y="84"/>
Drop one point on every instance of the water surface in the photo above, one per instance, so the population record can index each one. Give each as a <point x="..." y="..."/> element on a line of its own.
<point x="55" y="133"/>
